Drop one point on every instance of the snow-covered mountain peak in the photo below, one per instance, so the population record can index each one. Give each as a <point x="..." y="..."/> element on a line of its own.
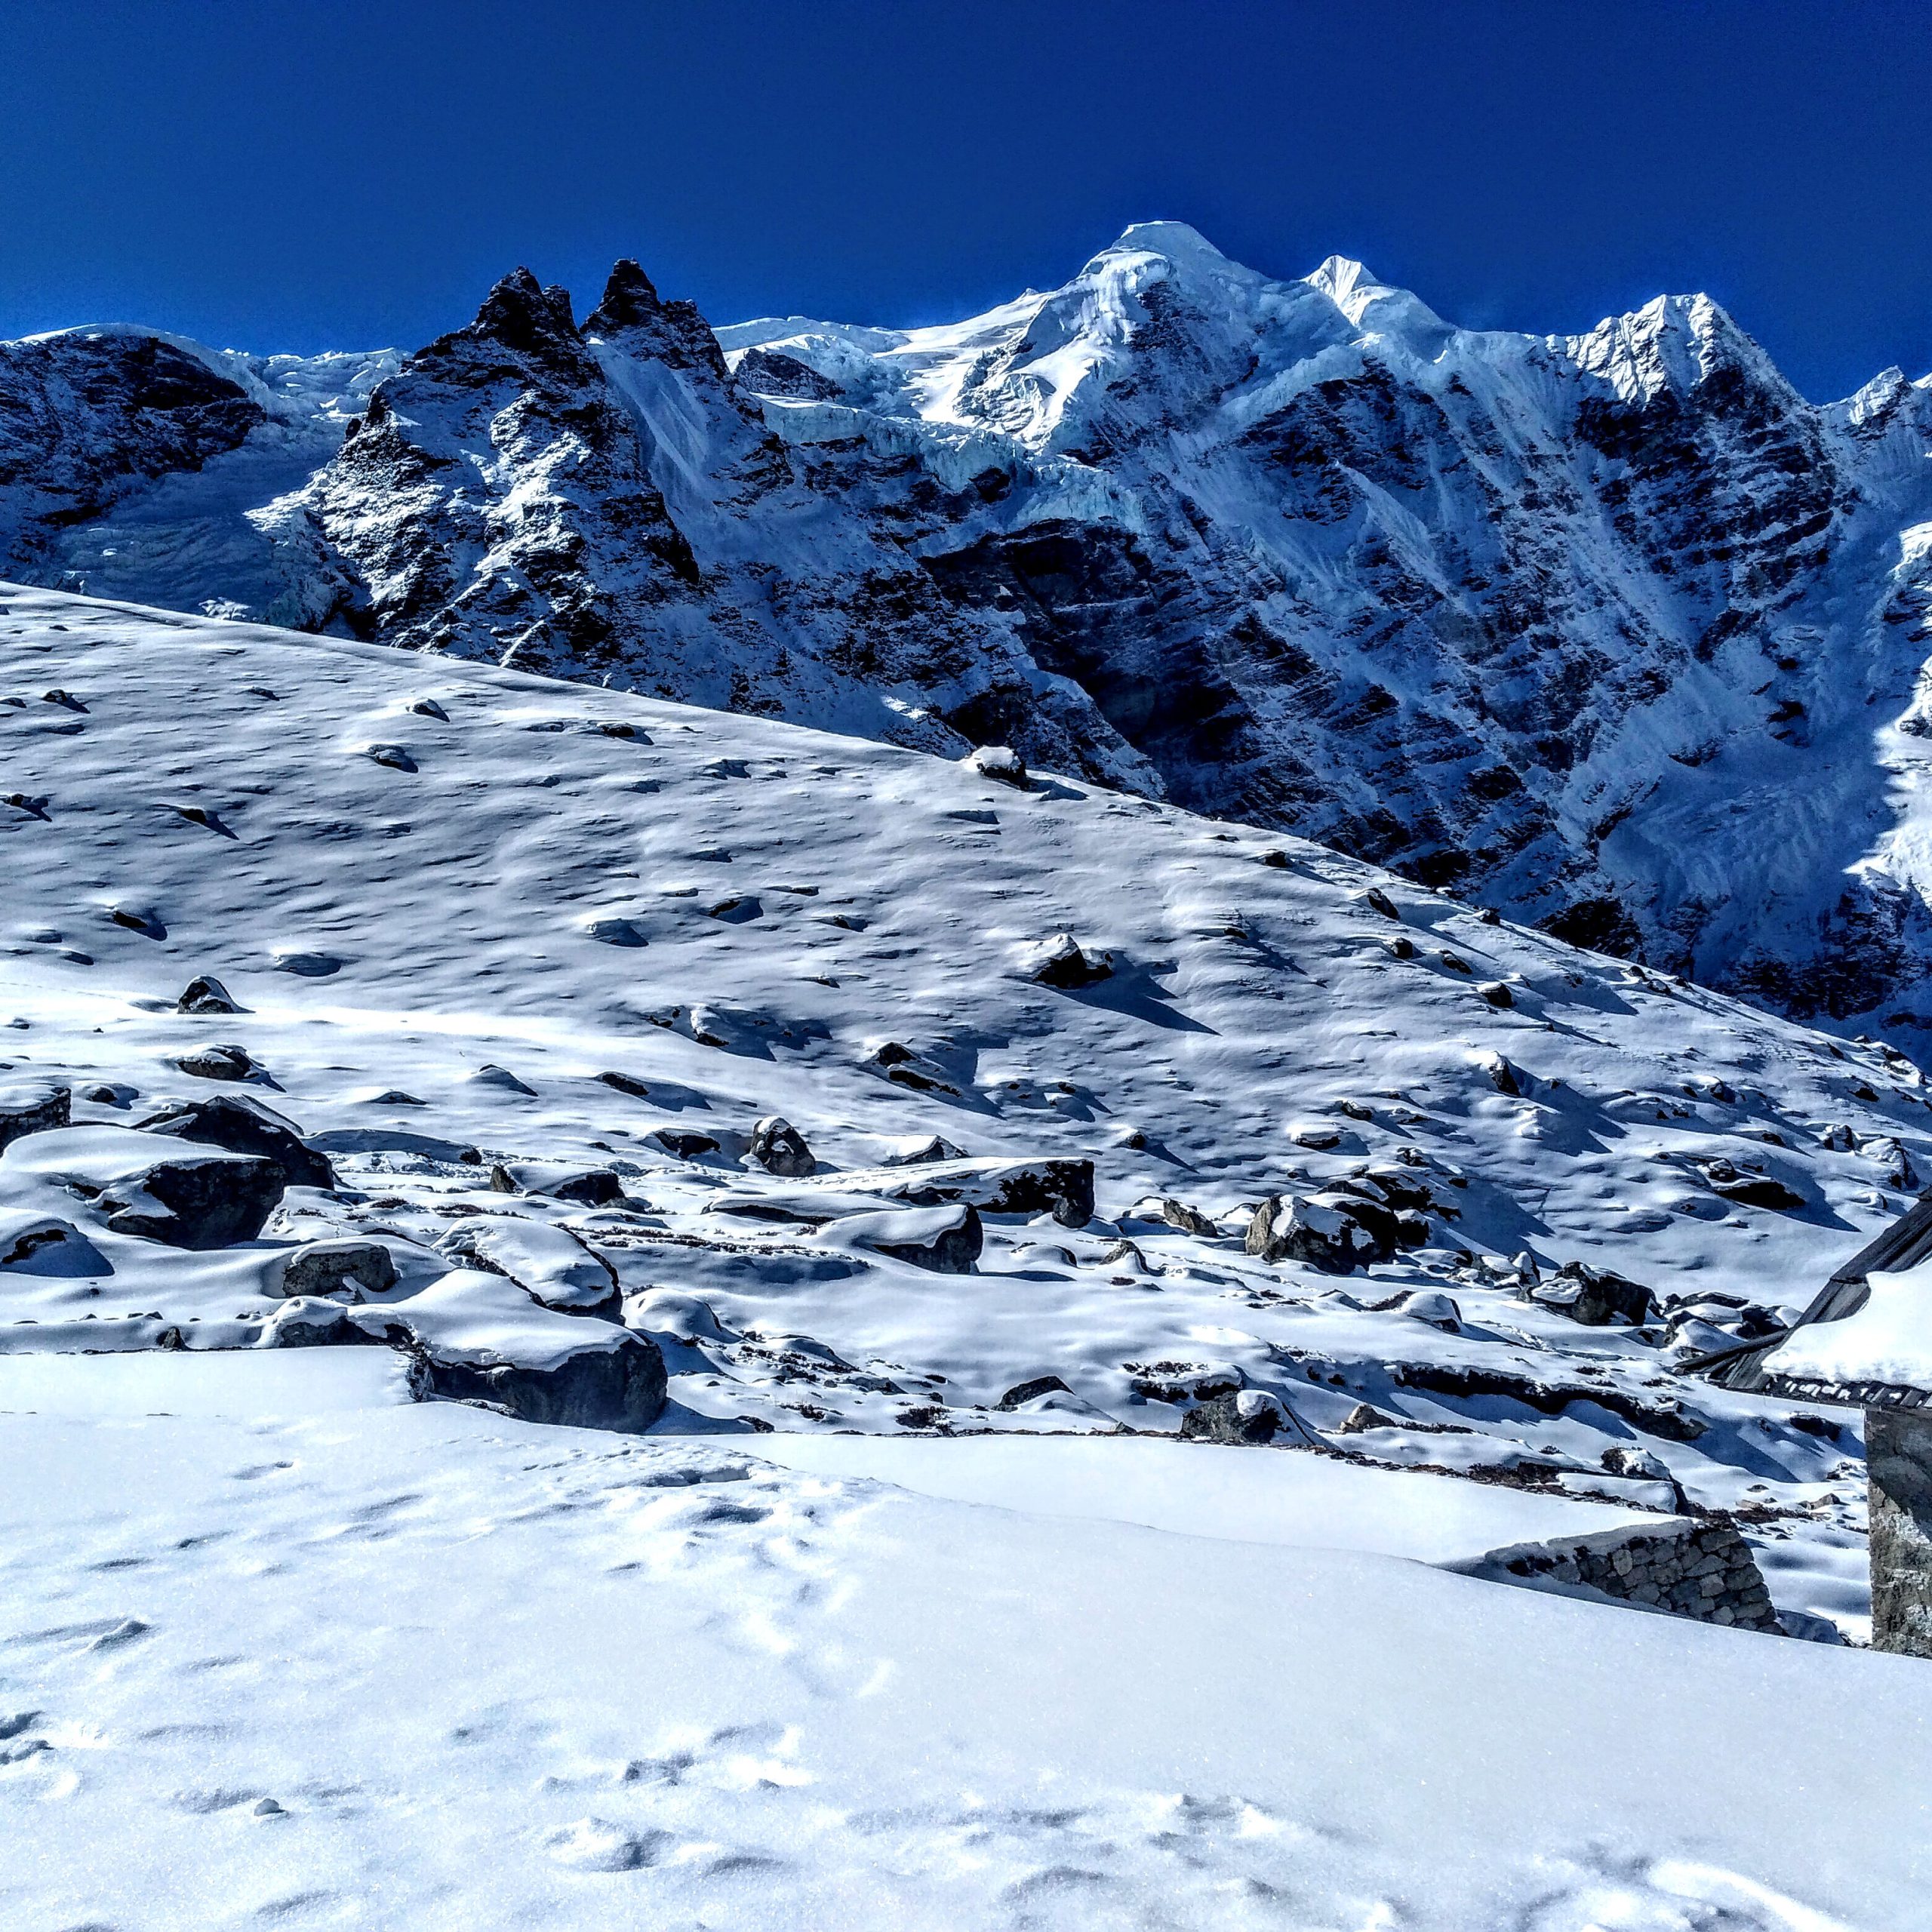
<point x="1174" y="242"/>
<point x="1671" y="345"/>
<point x="1531" y="615"/>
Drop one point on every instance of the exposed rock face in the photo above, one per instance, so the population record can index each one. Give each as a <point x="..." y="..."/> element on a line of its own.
<point x="1524" y="615"/>
<point x="89" y="416"/>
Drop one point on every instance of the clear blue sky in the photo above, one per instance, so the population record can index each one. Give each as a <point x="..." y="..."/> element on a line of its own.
<point x="349" y="173"/>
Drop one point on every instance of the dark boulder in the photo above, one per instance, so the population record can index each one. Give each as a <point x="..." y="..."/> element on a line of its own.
<point x="620" y="1387"/>
<point x="33" y="1108"/>
<point x="780" y="1148"/>
<point x="222" y="1062"/>
<point x="1332" y="1231"/>
<point x="198" y="1201"/>
<point x="1594" y="1296"/>
<point x="1751" y="1190"/>
<point x="206" y="994"/>
<point x="1062" y="963"/>
<point x="1062" y="1188"/>
<point x="1250" y="1417"/>
<point x="244" y="1126"/>
<point x="1028" y="1391"/>
<point x="593" y="1187"/>
<point x="326" y="1268"/>
<point x="948" y="1241"/>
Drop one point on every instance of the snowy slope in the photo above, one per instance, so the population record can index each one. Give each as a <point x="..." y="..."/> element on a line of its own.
<point x="413" y="1664"/>
<point x="278" y="1641"/>
<point x="746" y="919"/>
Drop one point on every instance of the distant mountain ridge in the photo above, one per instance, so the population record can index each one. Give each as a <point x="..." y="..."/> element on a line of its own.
<point x="1616" y="630"/>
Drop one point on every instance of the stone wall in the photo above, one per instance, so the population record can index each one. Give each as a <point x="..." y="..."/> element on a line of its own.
<point x="1898" y="1461"/>
<point x="1695" y="1567"/>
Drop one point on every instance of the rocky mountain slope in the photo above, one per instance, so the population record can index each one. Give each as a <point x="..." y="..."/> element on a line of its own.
<point x="818" y="1183"/>
<point x="1615" y="630"/>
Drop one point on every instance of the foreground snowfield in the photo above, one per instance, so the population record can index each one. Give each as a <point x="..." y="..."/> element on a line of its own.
<point x="413" y="1665"/>
<point x="278" y="1645"/>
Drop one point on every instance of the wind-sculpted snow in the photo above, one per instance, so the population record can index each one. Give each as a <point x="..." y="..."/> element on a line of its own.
<point x="1614" y="630"/>
<point x="691" y="1077"/>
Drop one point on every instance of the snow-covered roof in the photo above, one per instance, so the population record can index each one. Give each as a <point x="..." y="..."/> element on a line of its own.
<point x="1867" y="1337"/>
<point x="1881" y="1353"/>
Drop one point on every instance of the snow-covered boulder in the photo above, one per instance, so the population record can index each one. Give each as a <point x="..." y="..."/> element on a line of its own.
<point x="1056" y="1186"/>
<point x="326" y="1268"/>
<point x="1250" y="1416"/>
<point x="206" y="994"/>
<point x="1594" y="1296"/>
<point x="31" y="1107"/>
<point x="1333" y="1232"/>
<point x="780" y="1148"/>
<point x="1433" y="1308"/>
<point x="147" y="1185"/>
<point x="47" y="1244"/>
<point x="1062" y="962"/>
<point x="946" y="1240"/>
<point x="549" y="1262"/>
<point x="593" y="1187"/>
<point x="677" y="1316"/>
<point x="1001" y="763"/>
<point x="482" y="1338"/>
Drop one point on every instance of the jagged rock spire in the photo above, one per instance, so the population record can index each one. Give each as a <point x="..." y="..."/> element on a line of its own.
<point x="521" y="313"/>
<point x="629" y="297"/>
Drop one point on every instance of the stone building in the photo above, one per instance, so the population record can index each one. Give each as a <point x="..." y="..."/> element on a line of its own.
<point x="1867" y="1340"/>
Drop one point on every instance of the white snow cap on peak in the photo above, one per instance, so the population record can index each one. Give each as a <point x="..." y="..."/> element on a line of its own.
<point x="1182" y="248"/>
<point x="1174" y="239"/>
<point x="1348" y="285"/>
<point x="1672" y="343"/>
<point x="1356" y="291"/>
